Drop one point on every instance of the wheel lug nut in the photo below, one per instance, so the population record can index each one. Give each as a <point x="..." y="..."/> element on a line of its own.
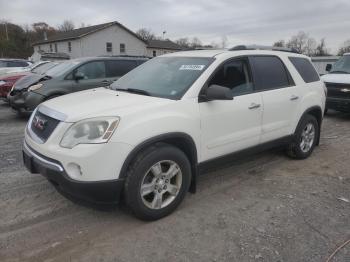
<point x="164" y="187"/>
<point x="166" y="180"/>
<point x="159" y="190"/>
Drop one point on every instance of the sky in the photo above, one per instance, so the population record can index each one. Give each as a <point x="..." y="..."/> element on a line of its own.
<point x="260" y="22"/>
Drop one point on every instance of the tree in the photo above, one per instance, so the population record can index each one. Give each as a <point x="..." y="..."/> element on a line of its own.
<point x="183" y="42"/>
<point x="321" y="49"/>
<point x="299" y="42"/>
<point x="224" y="41"/>
<point x="345" y="48"/>
<point x="280" y="43"/>
<point x="66" y="26"/>
<point x="195" y="42"/>
<point x="146" y="34"/>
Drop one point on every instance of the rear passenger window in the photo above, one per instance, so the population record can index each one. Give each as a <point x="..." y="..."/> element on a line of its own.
<point x="270" y="73"/>
<point x="235" y="75"/>
<point x="305" y="69"/>
<point x="117" y="68"/>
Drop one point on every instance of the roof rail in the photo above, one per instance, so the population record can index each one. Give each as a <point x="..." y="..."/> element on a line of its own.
<point x="262" y="47"/>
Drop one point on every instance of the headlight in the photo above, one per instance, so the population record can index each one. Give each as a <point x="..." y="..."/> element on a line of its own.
<point x="35" y="87"/>
<point x="90" y="131"/>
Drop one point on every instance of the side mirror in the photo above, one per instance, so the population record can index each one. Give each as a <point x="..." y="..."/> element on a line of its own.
<point x="78" y="76"/>
<point x="328" y="67"/>
<point x="216" y="92"/>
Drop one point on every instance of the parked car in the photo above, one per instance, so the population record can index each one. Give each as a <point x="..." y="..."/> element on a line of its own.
<point x="150" y="134"/>
<point x="8" y="80"/>
<point x="8" y="65"/>
<point x="68" y="77"/>
<point x="338" y="84"/>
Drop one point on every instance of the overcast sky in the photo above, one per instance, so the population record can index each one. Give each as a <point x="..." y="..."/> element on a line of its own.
<point x="241" y="21"/>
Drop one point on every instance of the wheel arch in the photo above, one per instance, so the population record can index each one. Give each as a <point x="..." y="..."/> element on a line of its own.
<point x="315" y="111"/>
<point x="180" y="140"/>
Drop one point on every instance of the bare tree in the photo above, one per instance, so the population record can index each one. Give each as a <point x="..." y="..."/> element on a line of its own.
<point x="195" y="42"/>
<point x="280" y="43"/>
<point x="146" y="34"/>
<point x="299" y="41"/>
<point x="310" y="47"/>
<point x="67" y="25"/>
<point x="183" y="42"/>
<point x="321" y="49"/>
<point x="345" y="48"/>
<point x="224" y="41"/>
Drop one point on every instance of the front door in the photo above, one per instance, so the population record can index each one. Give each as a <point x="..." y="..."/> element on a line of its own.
<point x="228" y="126"/>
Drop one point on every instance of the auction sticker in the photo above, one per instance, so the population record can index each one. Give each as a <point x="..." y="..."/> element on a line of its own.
<point x="192" y="67"/>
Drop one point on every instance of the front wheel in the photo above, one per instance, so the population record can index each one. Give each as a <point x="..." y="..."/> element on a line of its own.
<point x="305" y="138"/>
<point x="157" y="181"/>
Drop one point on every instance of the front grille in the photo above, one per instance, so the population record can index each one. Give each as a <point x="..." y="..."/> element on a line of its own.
<point x="338" y="90"/>
<point x="43" y="125"/>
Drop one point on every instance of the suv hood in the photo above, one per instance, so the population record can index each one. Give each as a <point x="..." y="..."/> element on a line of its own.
<point x="336" y="78"/>
<point x="101" y="102"/>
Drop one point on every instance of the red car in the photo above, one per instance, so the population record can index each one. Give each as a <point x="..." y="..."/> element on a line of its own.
<point x="7" y="81"/>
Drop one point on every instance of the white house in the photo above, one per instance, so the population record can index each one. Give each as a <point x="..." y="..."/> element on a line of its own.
<point x="105" y="39"/>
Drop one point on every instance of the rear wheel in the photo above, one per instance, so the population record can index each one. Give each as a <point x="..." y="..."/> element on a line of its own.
<point x="305" y="138"/>
<point x="157" y="181"/>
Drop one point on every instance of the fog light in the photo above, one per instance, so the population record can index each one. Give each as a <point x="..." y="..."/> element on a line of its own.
<point x="74" y="170"/>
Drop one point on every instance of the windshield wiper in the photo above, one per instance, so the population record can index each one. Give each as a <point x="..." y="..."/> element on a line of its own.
<point x="339" y="72"/>
<point x="134" y="90"/>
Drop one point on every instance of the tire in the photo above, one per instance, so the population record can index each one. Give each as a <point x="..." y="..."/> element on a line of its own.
<point x="161" y="193"/>
<point x="299" y="150"/>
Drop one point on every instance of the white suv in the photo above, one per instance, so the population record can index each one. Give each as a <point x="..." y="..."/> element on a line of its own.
<point x="149" y="134"/>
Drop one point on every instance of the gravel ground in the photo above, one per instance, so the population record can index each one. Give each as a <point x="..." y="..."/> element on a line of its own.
<point x="263" y="208"/>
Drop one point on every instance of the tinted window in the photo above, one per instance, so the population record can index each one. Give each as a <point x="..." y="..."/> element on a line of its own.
<point x="16" y="64"/>
<point x="119" y="67"/>
<point x="270" y="73"/>
<point x="92" y="70"/>
<point x="234" y="75"/>
<point x="305" y="69"/>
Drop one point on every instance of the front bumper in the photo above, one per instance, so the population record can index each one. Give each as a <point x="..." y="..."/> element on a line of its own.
<point x="97" y="192"/>
<point x="339" y="104"/>
<point x="24" y="101"/>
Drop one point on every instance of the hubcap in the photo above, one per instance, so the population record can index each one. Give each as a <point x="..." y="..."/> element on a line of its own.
<point x="307" y="138"/>
<point x="161" y="184"/>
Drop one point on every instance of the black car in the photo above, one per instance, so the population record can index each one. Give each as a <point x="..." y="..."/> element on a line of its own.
<point x="337" y="82"/>
<point x="68" y="77"/>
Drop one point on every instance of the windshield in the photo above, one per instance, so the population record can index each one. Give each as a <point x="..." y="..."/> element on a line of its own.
<point x="44" y="68"/>
<point x="168" y="77"/>
<point x="61" y="68"/>
<point x="342" y="65"/>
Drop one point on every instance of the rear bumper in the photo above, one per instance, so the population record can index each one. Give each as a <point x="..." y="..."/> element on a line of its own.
<point x="97" y="192"/>
<point x="339" y="104"/>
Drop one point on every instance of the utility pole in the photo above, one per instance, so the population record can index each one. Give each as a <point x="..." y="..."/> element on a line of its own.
<point x="164" y="32"/>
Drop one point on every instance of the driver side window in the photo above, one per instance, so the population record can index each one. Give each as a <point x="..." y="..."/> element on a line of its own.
<point x="235" y="75"/>
<point x="92" y="70"/>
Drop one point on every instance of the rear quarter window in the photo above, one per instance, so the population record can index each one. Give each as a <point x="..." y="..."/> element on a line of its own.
<point x="305" y="69"/>
<point x="118" y="68"/>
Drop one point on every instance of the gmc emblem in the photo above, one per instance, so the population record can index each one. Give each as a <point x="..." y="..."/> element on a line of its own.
<point x="39" y="123"/>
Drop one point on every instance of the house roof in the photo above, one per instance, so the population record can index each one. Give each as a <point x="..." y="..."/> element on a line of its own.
<point x="163" y="44"/>
<point x="80" y="32"/>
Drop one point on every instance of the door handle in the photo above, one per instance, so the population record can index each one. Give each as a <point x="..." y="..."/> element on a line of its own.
<point x="294" y="97"/>
<point x="254" y="105"/>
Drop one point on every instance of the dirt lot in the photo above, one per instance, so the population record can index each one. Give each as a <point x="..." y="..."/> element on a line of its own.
<point x="264" y="208"/>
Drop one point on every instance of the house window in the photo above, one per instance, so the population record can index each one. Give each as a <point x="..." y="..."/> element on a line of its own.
<point x="109" y="47"/>
<point x="154" y="53"/>
<point x="51" y="48"/>
<point x="69" y="47"/>
<point x="122" y="48"/>
<point x="55" y="48"/>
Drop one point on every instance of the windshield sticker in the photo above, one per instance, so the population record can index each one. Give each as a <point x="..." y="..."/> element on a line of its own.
<point x="192" y="67"/>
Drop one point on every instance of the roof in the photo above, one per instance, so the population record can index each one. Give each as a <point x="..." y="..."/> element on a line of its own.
<point x="80" y="32"/>
<point x="163" y="44"/>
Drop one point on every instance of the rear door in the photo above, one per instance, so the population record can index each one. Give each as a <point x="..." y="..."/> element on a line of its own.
<point x="279" y="94"/>
<point x="117" y="68"/>
<point x="94" y="75"/>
